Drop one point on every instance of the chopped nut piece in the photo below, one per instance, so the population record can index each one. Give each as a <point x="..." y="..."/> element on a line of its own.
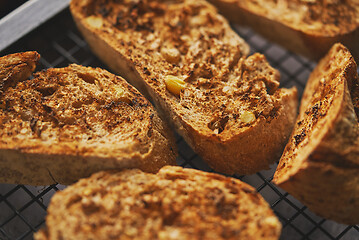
<point x="247" y="117"/>
<point x="119" y="91"/>
<point x="172" y="55"/>
<point x="87" y="191"/>
<point x="94" y="21"/>
<point x="174" y="84"/>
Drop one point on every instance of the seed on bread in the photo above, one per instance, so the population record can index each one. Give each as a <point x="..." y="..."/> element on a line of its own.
<point x="247" y="117"/>
<point x="174" y="84"/>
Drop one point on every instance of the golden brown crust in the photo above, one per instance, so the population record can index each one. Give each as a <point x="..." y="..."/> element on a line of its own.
<point x="320" y="164"/>
<point x="67" y="123"/>
<point x="175" y="203"/>
<point x="150" y="42"/>
<point x="306" y="27"/>
<point x="16" y="67"/>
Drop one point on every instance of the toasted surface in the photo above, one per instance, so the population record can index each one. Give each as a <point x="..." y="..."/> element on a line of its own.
<point x="320" y="164"/>
<point x="306" y="27"/>
<point x="16" y="67"/>
<point x="185" y="56"/>
<point x="67" y="123"/>
<point x="175" y="203"/>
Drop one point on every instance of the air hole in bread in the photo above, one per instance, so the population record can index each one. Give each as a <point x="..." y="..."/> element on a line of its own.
<point x="170" y="219"/>
<point x="77" y="104"/>
<point x="47" y="91"/>
<point x="89" y="207"/>
<point x="87" y="77"/>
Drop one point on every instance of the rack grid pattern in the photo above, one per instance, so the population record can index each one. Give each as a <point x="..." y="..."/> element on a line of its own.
<point x="23" y="208"/>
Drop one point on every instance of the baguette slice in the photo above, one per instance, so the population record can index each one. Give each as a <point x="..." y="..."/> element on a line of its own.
<point x="17" y="67"/>
<point x="307" y="27"/>
<point x="175" y="203"/>
<point x="186" y="58"/>
<point x="320" y="164"/>
<point x="67" y="123"/>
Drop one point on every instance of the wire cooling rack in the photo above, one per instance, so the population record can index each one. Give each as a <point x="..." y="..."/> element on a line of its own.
<point x="23" y="208"/>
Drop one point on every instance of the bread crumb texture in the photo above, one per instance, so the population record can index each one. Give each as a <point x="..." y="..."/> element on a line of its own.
<point x="71" y="104"/>
<point x="66" y="123"/>
<point x="324" y="17"/>
<point x="175" y="203"/>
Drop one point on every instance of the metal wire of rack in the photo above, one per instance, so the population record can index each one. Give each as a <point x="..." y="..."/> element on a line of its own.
<point x="23" y="208"/>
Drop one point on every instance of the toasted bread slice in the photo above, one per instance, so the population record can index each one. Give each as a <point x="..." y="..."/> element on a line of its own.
<point x="175" y="203"/>
<point x="186" y="58"/>
<point x="17" y="67"/>
<point x="307" y="27"/>
<point x="67" y="123"/>
<point x="320" y="164"/>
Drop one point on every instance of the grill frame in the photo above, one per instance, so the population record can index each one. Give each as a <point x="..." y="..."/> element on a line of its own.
<point x="23" y="208"/>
